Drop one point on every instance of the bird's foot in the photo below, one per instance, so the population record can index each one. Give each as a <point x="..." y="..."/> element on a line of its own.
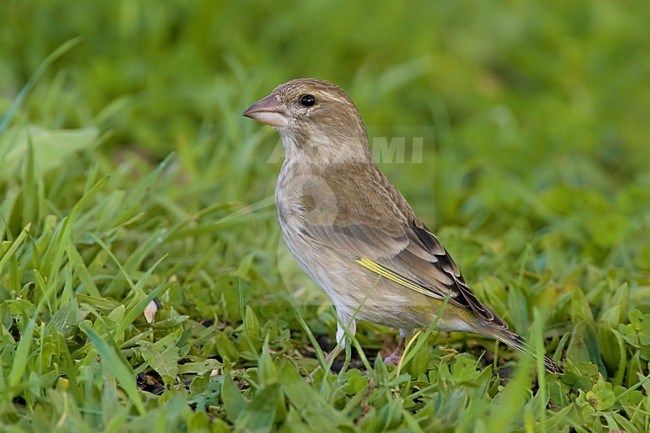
<point x="395" y="357"/>
<point x="333" y="354"/>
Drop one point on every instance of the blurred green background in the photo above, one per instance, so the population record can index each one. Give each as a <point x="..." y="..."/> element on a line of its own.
<point x="537" y="181"/>
<point x="537" y="96"/>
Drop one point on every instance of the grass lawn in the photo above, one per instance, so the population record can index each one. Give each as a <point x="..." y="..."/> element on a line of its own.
<point x="129" y="178"/>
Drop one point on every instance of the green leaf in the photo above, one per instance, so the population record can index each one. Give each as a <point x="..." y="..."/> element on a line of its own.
<point x="418" y="363"/>
<point x="233" y="401"/>
<point x="355" y="381"/>
<point x="584" y="344"/>
<point x="163" y="355"/>
<point x="259" y="414"/>
<point x="252" y="328"/>
<point x="316" y="410"/>
<point x="580" y="309"/>
<point x="518" y="307"/>
<point x="52" y="148"/>
<point x="267" y="372"/>
<point x="117" y="315"/>
<point x="225" y="347"/>
<point x="601" y="396"/>
<point x="116" y="364"/>
<point x="612" y="349"/>
<point x="199" y="367"/>
<point x="66" y="318"/>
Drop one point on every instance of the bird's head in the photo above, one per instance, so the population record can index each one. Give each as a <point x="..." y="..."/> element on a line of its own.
<point x="316" y="119"/>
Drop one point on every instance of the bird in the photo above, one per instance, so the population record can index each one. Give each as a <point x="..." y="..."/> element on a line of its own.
<point x="354" y="233"/>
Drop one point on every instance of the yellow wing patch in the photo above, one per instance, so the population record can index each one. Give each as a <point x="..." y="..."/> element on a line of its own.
<point x="387" y="273"/>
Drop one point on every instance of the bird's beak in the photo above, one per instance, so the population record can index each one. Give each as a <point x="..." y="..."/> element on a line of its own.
<point x="270" y="111"/>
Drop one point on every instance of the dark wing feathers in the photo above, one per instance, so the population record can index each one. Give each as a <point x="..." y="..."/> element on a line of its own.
<point x="416" y="255"/>
<point x="449" y="266"/>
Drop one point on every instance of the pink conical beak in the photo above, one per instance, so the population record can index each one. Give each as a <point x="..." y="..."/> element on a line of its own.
<point x="270" y="111"/>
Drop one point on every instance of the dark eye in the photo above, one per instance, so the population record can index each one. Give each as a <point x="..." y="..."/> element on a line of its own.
<point x="307" y="100"/>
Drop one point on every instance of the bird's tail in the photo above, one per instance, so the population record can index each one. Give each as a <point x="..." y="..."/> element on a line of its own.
<point x="515" y="341"/>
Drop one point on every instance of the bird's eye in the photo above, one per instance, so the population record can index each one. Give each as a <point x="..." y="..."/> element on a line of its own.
<point x="307" y="100"/>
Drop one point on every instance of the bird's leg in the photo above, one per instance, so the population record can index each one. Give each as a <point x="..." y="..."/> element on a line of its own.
<point x="333" y="353"/>
<point x="395" y="357"/>
<point x="343" y="326"/>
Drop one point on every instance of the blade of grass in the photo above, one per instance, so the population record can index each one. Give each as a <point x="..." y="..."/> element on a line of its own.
<point x="14" y="246"/>
<point x="53" y="256"/>
<point x="20" y="361"/>
<point x="15" y="105"/>
<point x="116" y="364"/>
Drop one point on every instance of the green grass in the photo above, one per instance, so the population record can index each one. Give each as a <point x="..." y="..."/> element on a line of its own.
<point x="127" y="173"/>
